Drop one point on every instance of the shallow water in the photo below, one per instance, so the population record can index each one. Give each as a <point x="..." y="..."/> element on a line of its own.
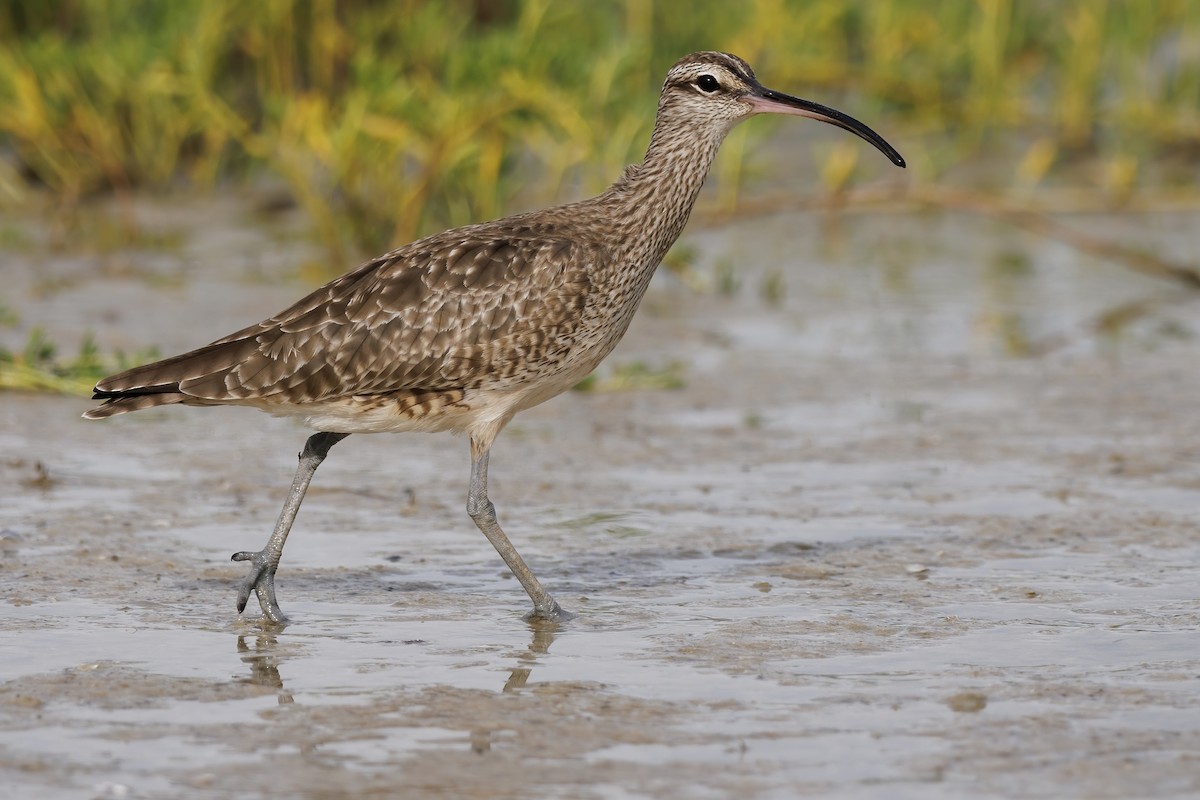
<point x="866" y="551"/>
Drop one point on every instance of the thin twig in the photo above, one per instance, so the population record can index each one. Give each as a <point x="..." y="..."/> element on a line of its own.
<point x="896" y="198"/>
<point x="1043" y="225"/>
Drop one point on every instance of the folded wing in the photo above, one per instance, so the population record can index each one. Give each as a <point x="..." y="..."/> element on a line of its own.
<point x="460" y="311"/>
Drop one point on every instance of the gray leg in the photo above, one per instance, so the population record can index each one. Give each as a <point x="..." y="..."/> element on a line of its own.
<point x="484" y="514"/>
<point x="263" y="564"/>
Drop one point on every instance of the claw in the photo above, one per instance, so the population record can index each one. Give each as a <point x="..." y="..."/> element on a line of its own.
<point x="261" y="581"/>
<point x="555" y="613"/>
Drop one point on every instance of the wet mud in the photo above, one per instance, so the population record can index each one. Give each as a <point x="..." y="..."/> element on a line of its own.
<point x="871" y="548"/>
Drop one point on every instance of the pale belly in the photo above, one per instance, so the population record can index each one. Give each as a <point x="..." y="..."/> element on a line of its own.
<point x="482" y="412"/>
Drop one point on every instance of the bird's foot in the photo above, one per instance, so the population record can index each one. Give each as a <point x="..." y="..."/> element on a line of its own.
<point x="551" y="612"/>
<point x="261" y="581"/>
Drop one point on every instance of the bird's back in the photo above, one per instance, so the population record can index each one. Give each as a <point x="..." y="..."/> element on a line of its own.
<point x="492" y="306"/>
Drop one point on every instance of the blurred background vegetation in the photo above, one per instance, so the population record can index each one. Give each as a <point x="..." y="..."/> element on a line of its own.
<point x="388" y="119"/>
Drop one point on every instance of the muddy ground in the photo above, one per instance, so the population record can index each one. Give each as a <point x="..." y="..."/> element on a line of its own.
<point x="910" y="528"/>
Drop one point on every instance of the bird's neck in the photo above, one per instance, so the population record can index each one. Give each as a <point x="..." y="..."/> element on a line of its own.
<point x="651" y="202"/>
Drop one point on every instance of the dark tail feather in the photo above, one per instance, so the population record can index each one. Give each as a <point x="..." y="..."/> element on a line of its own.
<point x="157" y="384"/>
<point x="120" y="404"/>
<point x="167" y="374"/>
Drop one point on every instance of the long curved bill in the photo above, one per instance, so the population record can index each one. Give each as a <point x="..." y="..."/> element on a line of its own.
<point x="768" y="101"/>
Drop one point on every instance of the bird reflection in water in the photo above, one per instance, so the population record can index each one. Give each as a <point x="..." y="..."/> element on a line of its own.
<point x="263" y="653"/>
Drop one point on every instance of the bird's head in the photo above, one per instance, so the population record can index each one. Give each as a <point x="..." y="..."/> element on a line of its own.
<point x="721" y="89"/>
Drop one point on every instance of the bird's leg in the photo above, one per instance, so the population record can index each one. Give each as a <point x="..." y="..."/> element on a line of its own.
<point x="263" y="564"/>
<point x="484" y="514"/>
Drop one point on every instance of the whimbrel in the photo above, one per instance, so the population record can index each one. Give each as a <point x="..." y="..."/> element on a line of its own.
<point x="461" y="330"/>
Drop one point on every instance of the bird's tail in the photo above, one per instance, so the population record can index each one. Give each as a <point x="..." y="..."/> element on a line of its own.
<point x="120" y="403"/>
<point x="158" y="384"/>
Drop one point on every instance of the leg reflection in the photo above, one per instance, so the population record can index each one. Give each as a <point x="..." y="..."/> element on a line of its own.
<point x="263" y="659"/>
<point x="544" y="631"/>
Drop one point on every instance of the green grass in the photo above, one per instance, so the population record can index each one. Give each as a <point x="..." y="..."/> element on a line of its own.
<point x="387" y="120"/>
<point x="38" y="367"/>
<point x="635" y="376"/>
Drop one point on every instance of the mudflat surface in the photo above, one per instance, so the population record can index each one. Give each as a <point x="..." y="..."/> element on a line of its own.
<point x="911" y="527"/>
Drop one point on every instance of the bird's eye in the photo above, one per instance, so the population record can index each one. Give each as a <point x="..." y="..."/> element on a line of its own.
<point x="707" y="84"/>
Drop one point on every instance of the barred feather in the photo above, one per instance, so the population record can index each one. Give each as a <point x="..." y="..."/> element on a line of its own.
<point x="465" y="328"/>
